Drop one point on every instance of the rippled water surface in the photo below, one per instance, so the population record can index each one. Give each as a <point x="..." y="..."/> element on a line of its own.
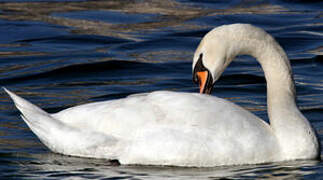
<point x="63" y="53"/>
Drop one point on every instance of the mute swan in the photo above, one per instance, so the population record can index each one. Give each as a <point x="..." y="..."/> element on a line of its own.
<point x="188" y="129"/>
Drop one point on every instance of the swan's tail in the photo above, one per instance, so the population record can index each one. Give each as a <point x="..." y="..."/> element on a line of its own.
<point x="61" y="138"/>
<point x="37" y="119"/>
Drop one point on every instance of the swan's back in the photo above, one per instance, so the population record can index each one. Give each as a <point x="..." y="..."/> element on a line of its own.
<point x="159" y="108"/>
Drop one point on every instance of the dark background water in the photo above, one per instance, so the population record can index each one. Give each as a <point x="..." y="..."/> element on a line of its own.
<point x="62" y="53"/>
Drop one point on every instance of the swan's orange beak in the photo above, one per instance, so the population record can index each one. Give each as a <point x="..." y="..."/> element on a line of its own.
<point x="205" y="82"/>
<point x="202" y="77"/>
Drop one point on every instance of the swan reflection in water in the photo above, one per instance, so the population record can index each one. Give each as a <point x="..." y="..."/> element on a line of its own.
<point x="56" y="165"/>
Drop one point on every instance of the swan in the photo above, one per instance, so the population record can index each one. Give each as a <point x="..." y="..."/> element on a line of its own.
<point x="188" y="129"/>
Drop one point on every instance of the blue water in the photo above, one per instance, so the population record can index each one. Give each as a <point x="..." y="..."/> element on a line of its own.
<point x="59" y="54"/>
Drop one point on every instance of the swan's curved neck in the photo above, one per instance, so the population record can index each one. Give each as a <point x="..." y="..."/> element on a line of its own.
<point x="281" y="94"/>
<point x="294" y="132"/>
<point x="277" y="69"/>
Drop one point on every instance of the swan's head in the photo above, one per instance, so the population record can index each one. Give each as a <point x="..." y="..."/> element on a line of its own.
<point x="210" y="59"/>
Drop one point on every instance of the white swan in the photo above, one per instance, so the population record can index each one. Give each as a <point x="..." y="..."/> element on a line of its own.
<point x="188" y="129"/>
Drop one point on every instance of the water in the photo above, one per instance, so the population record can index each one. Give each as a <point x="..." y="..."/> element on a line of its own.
<point x="59" y="54"/>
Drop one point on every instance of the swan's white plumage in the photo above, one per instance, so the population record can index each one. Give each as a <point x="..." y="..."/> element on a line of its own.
<point x="160" y="128"/>
<point x="186" y="129"/>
